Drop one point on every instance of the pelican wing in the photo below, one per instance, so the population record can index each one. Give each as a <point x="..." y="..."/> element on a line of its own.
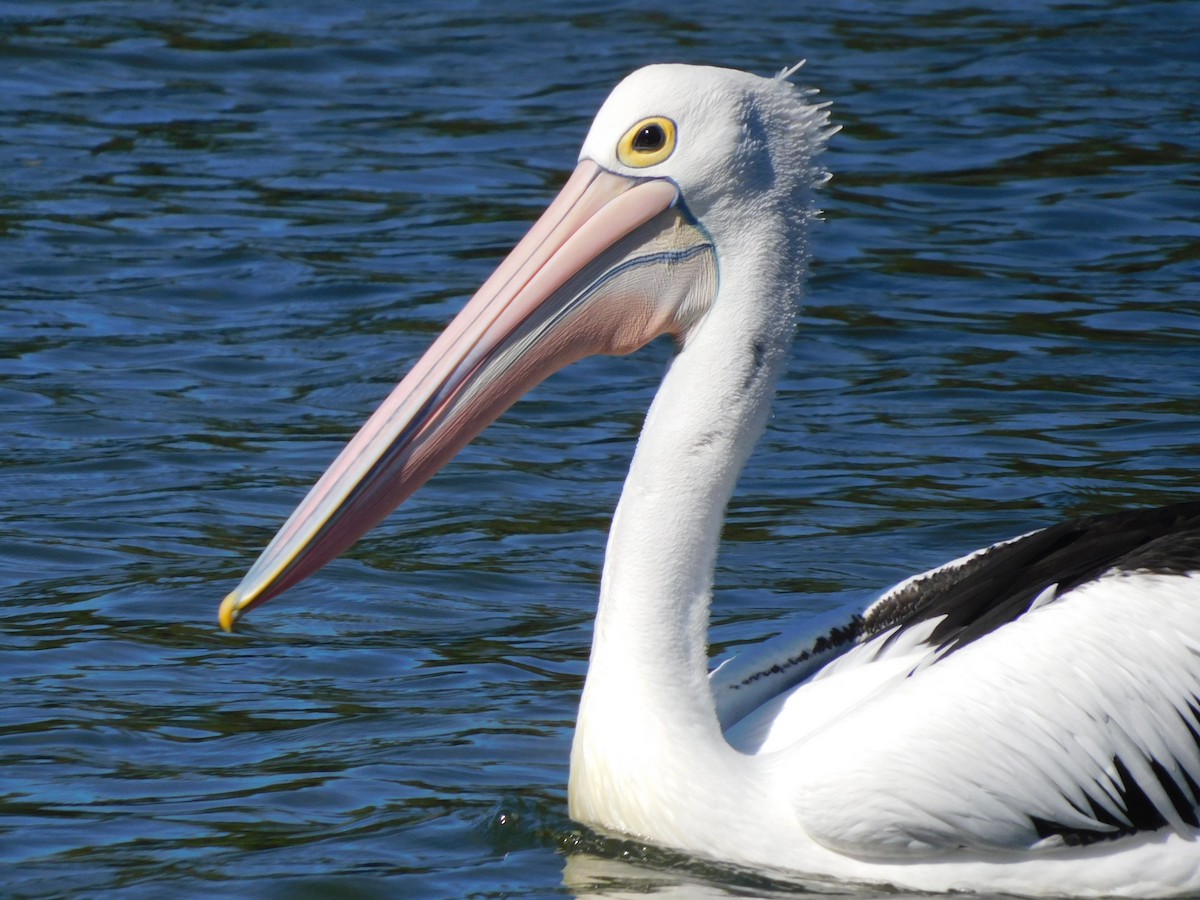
<point x="1051" y="703"/>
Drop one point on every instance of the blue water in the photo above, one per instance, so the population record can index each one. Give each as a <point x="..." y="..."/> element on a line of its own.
<point x="227" y="228"/>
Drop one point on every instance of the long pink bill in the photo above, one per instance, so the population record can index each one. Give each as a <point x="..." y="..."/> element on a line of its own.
<point x="611" y="264"/>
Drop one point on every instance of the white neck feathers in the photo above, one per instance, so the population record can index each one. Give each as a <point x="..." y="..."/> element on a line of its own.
<point x="647" y="722"/>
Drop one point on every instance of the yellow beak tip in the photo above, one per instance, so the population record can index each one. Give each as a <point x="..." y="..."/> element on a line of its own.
<point x="228" y="614"/>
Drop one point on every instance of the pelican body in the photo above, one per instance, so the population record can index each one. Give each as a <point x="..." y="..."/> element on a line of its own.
<point x="1023" y="719"/>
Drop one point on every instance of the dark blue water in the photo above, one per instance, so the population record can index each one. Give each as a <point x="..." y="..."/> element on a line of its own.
<point x="225" y="231"/>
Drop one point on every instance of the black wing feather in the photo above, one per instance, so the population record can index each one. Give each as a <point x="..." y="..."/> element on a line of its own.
<point x="999" y="584"/>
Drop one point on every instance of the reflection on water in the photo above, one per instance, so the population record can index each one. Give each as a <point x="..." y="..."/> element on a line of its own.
<point x="226" y="230"/>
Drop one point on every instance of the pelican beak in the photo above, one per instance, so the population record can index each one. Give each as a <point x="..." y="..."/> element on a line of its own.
<point x="611" y="264"/>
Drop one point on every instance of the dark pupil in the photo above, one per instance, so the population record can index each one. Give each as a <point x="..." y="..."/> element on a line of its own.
<point x="650" y="138"/>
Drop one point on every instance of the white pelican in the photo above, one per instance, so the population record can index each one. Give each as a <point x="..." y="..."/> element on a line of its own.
<point x="1022" y="719"/>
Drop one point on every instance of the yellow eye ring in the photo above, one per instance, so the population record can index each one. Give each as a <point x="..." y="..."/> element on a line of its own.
<point x="648" y="142"/>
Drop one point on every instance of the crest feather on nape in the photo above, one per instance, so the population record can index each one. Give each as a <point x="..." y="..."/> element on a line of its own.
<point x="787" y="72"/>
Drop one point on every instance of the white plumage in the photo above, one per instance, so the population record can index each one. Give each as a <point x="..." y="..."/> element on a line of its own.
<point x="1022" y="719"/>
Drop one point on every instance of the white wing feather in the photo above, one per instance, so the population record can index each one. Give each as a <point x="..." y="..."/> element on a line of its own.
<point x="1035" y="721"/>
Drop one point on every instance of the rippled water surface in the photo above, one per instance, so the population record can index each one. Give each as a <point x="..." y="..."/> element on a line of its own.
<point x="226" y="229"/>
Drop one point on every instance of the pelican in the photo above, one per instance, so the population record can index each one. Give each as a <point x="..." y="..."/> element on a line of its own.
<point x="1022" y="719"/>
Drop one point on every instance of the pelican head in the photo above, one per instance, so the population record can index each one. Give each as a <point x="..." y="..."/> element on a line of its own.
<point x="687" y="177"/>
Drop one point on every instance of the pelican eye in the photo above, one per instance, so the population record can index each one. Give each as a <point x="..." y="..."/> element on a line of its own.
<point x="650" y="139"/>
<point x="648" y="142"/>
